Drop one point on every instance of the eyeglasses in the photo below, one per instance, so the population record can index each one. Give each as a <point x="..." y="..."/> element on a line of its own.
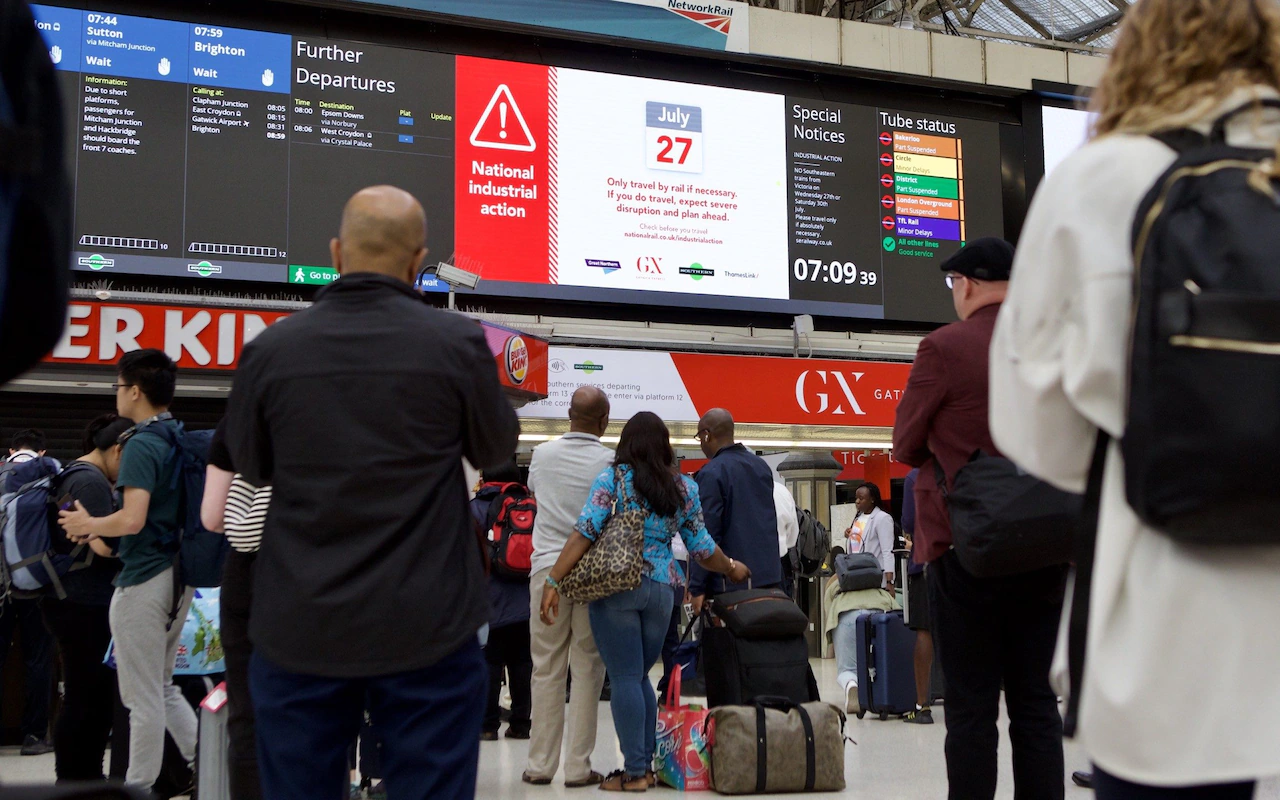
<point x="702" y="435"/>
<point x="119" y="386"/>
<point x="951" y="280"/>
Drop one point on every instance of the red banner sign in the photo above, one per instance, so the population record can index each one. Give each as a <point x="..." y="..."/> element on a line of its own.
<point x="199" y="338"/>
<point x="794" y="391"/>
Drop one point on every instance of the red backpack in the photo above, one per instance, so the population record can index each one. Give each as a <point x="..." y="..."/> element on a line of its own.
<point x="511" y="534"/>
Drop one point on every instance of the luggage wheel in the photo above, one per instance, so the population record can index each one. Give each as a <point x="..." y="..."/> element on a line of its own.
<point x="884" y="716"/>
<point x="861" y="714"/>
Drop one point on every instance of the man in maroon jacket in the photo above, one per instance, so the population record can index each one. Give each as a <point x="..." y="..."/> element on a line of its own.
<point x="990" y="631"/>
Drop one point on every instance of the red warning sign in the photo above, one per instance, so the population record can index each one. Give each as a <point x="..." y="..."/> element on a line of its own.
<point x="502" y="126"/>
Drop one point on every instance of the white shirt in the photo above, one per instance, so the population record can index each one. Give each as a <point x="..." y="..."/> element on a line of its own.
<point x="560" y="476"/>
<point x="1182" y="683"/>
<point x="784" y="506"/>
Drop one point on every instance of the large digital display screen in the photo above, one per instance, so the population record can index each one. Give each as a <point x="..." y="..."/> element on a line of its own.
<point x="213" y="152"/>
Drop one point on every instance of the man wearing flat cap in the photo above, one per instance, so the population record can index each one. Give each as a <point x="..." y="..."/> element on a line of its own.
<point x="988" y="631"/>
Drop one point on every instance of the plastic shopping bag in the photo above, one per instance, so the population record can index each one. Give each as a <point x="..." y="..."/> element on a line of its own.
<point x="200" y="649"/>
<point x="681" y="760"/>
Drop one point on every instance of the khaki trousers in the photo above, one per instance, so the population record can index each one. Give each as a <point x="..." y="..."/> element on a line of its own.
<point x="558" y="648"/>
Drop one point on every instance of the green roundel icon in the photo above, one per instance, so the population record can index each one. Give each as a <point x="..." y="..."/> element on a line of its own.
<point x="890" y="243"/>
<point x="695" y="271"/>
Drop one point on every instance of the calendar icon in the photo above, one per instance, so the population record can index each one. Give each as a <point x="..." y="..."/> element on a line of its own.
<point x="673" y="137"/>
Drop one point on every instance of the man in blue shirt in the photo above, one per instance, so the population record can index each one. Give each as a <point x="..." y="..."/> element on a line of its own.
<point x="736" y="488"/>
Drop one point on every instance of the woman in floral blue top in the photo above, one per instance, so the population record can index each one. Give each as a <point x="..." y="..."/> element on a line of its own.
<point x="629" y="627"/>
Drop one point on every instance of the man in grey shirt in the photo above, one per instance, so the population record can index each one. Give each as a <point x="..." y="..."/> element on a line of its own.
<point x="561" y="476"/>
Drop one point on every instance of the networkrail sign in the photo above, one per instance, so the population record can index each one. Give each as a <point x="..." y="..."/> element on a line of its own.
<point x="714" y="25"/>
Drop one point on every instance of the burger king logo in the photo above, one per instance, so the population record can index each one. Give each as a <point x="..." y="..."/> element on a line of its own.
<point x="517" y="360"/>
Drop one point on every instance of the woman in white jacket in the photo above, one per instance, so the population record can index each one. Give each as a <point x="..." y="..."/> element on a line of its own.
<point x="1181" y="694"/>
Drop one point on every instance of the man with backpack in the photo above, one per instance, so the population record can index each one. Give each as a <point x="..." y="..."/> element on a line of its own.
<point x="149" y="596"/>
<point x="989" y="631"/>
<point x="22" y="616"/>
<point x="504" y="513"/>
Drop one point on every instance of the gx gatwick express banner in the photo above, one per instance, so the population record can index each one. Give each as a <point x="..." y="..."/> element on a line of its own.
<point x="681" y="387"/>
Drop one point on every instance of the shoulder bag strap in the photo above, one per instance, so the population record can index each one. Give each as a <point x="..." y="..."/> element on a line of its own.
<point x="810" y="751"/>
<point x="762" y="750"/>
<point x="1082" y="588"/>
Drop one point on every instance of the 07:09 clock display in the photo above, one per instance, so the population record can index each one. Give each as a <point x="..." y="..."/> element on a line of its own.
<point x="813" y="269"/>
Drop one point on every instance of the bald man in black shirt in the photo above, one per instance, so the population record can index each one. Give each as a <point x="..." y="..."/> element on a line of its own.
<point x="370" y="584"/>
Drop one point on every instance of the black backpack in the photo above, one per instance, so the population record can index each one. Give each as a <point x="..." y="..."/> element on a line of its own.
<point x="35" y="196"/>
<point x="1204" y="371"/>
<point x="813" y="545"/>
<point x="1206" y="345"/>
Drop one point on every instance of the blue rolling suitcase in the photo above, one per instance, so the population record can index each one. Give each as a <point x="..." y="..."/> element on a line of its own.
<point x="886" y="665"/>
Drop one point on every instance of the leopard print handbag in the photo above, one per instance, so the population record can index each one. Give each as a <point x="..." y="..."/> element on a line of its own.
<point x="615" y="563"/>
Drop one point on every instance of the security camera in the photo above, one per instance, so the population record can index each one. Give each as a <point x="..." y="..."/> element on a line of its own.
<point x="455" y="276"/>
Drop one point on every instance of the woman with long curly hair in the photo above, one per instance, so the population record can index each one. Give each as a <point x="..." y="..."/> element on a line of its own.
<point x="629" y="627"/>
<point x="1180" y="696"/>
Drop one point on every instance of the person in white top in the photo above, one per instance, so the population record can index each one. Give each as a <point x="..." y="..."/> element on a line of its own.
<point x="872" y="531"/>
<point x="1180" y="687"/>
<point x="784" y="506"/>
<point x="560" y="477"/>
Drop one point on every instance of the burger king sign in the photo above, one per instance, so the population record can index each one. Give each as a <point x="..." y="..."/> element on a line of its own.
<point x="517" y="359"/>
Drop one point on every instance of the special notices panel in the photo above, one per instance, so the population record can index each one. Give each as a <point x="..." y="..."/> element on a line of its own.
<point x="879" y="198"/>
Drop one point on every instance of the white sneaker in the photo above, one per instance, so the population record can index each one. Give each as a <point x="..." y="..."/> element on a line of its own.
<point x="851" y="698"/>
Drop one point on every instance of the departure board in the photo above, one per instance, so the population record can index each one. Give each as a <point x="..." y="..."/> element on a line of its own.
<point x="218" y="153"/>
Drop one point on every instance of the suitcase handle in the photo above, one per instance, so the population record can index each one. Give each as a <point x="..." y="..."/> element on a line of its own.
<point x="775" y="702"/>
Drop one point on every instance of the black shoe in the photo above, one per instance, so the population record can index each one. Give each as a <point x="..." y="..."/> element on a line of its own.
<point x="922" y="716"/>
<point x="512" y="733"/>
<point x="1082" y="779"/>
<point x="488" y="736"/>
<point x="606" y="694"/>
<point x="33" y="746"/>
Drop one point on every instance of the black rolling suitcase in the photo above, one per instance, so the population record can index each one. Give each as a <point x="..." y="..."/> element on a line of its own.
<point x="753" y="645"/>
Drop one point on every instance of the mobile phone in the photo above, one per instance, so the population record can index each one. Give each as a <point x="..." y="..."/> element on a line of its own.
<point x="66" y="502"/>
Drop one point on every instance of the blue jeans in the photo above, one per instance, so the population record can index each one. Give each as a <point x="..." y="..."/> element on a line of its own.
<point x="428" y="722"/>
<point x="629" y="629"/>
<point x="846" y="641"/>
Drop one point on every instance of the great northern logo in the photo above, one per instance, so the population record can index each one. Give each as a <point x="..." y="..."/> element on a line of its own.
<point x="589" y="367"/>
<point x="97" y="262"/>
<point x="517" y="359"/>
<point x="608" y="266"/>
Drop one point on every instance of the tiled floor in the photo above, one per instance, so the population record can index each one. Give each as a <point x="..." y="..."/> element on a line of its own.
<point x="891" y="760"/>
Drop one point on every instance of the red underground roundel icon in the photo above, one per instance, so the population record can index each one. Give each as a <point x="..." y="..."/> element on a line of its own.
<point x="887" y="159"/>
<point x="889" y="223"/>
<point x="887" y="201"/>
<point x="886" y="181"/>
<point x="886" y="139"/>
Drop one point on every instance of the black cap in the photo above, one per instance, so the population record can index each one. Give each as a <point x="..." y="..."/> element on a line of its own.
<point x="987" y="259"/>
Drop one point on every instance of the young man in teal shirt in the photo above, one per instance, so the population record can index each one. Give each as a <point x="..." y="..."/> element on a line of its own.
<point x="147" y="526"/>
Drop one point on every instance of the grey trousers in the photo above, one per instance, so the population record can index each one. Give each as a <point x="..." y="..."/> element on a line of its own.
<point x="145" y="653"/>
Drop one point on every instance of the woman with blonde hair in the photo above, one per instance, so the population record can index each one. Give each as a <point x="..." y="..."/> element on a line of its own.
<point x="1180" y="696"/>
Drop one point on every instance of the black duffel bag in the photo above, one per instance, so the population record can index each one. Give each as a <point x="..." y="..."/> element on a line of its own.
<point x="759" y="614"/>
<point x="1004" y="521"/>
<point x="858" y="571"/>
